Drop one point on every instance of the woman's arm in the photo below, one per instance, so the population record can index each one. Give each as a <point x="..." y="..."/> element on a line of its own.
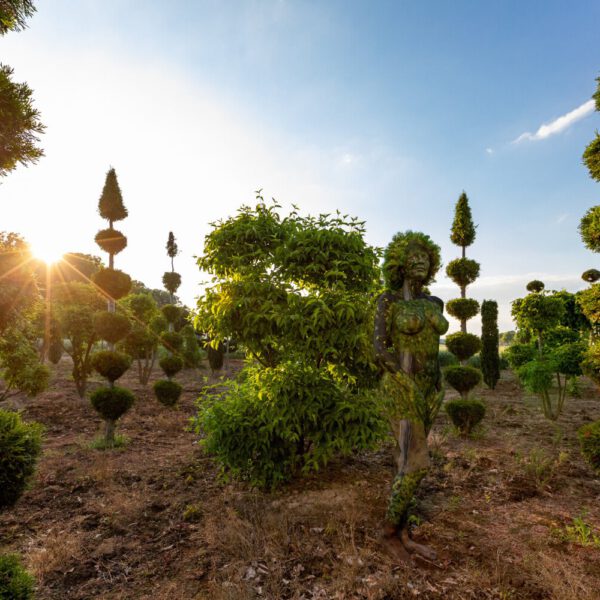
<point x="381" y="341"/>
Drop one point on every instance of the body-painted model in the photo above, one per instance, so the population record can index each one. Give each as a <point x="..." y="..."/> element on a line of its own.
<point x="408" y="325"/>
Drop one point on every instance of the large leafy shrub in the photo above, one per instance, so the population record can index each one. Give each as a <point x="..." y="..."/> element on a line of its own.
<point x="20" y="446"/>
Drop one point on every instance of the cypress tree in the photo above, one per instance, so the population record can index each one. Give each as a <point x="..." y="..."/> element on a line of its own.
<point x="490" y="356"/>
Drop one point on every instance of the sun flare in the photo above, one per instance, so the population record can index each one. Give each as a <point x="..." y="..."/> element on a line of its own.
<point x="47" y="251"/>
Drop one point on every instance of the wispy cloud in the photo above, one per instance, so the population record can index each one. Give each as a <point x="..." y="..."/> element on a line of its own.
<point x="559" y="124"/>
<point x="562" y="218"/>
<point x="489" y="150"/>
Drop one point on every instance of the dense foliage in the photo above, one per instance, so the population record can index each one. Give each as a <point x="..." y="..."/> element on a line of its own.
<point x="167" y="392"/>
<point x="589" y="440"/>
<point x="490" y="356"/>
<point x="465" y="414"/>
<point x="112" y="402"/>
<point x="295" y="292"/>
<point x="111" y="364"/>
<point x="20" y="446"/>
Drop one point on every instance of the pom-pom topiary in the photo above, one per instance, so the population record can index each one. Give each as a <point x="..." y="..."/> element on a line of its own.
<point x="172" y="341"/>
<point x="171" y="281"/>
<point x="171" y="365"/>
<point x="20" y="446"/>
<point x="171" y="313"/>
<point x="591" y="275"/>
<point x="535" y="286"/>
<point x="111" y="241"/>
<point x="462" y="378"/>
<point x="463" y="345"/>
<point x="462" y="308"/>
<point x="167" y="392"/>
<point x="589" y="441"/>
<point x="463" y="271"/>
<point x="111" y="327"/>
<point x="465" y="414"/>
<point x="112" y="282"/>
<point x="15" y="582"/>
<point x="112" y="402"/>
<point x="111" y="364"/>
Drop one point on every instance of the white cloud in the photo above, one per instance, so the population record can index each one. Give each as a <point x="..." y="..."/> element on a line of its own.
<point x="559" y="124"/>
<point x="489" y="150"/>
<point x="562" y="218"/>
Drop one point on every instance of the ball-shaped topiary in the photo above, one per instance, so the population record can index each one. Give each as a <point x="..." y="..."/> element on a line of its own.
<point x="112" y="282"/>
<point x="462" y="378"/>
<point x="463" y="271"/>
<point x="112" y="402"/>
<point x="111" y="327"/>
<point x="462" y="308"/>
<point x="167" y="392"/>
<point x="171" y="365"/>
<point x="111" y="241"/>
<point x="20" y="446"/>
<point x="15" y="582"/>
<point x="171" y="281"/>
<point x="397" y="251"/>
<point x="171" y="313"/>
<point x="463" y="345"/>
<point x="465" y="414"/>
<point x="589" y="441"/>
<point x="535" y="286"/>
<point x="111" y="364"/>
<point x="591" y="275"/>
<point x="172" y="340"/>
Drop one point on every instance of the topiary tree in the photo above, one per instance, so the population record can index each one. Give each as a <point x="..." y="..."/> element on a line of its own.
<point x="465" y="414"/>
<point x="171" y="279"/>
<point x="172" y="363"/>
<point x="463" y="272"/>
<point x="490" y="355"/>
<point x="295" y="292"/>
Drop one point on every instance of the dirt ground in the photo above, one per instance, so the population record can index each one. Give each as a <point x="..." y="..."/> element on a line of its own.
<point x="153" y="520"/>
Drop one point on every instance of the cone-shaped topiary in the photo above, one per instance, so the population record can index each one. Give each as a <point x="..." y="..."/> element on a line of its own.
<point x="111" y="327"/>
<point x="463" y="230"/>
<point x="111" y="205"/>
<point x="20" y="446"/>
<point x="171" y="365"/>
<point x="111" y="241"/>
<point x="465" y="414"/>
<point x="463" y="345"/>
<point x="490" y="355"/>
<point x="15" y="582"/>
<point x="112" y="283"/>
<point x="111" y="364"/>
<point x="462" y="378"/>
<point x="462" y="308"/>
<point x="167" y="391"/>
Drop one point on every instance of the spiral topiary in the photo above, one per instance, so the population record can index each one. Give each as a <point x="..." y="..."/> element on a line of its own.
<point x="465" y="414"/>
<point x="462" y="378"/>
<point x="463" y="345"/>
<point x="111" y="327"/>
<point x="167" y="392"/>
<point x="20" y="447"/>
<point x="111" y="241"/>
<point x="111" y="364"/>
<point x="113" y="283"/>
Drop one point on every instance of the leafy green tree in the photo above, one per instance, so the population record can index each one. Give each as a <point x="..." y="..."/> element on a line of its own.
<point x="463" y="272"/>
<point x="490" y="356"/>
<point x="295" y="291"/>
<point x="14" y="14"/>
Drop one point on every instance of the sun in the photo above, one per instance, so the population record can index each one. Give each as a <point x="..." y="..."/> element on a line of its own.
<point x="47" y="251"/>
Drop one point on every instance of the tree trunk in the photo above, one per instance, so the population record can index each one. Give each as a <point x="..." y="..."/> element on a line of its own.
<point x="109" y="433"/>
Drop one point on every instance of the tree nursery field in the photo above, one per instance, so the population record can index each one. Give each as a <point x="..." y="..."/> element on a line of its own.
<point x="513" y="511"/>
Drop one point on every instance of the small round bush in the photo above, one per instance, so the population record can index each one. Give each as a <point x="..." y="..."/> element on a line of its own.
<point x="535" y="286"/>
<point x="463" y="271"/>
<point x="111" y="327"/>
<point x="463" y="345"/>
<point x="171" y="312"/>
<point x="462" y="378"/>
<point x="111" y="241"/>
<point x="462" y="308"/>
<point x="112" y="282"/>
<point x="591" y="275"/>
<point x="20" y="446"/>
<point x="171" y="365"/>
<point x="112" y="402"/>
<point x="110" y="363"/>
<point x="447" y="358"/>
<point x="465" y="414"/>
<point x="15" y="582"/>
<point x="171" y="281"/>
<point x="172" y="341"/>
<point x="167" y="391"/>
<point x="589" y="441"/>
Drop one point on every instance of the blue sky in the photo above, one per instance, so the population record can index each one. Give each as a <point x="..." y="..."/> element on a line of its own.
<point x="385" y="110"/>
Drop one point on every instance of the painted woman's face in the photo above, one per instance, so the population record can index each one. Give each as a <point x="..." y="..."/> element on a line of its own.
<point x="417" y="265"/>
